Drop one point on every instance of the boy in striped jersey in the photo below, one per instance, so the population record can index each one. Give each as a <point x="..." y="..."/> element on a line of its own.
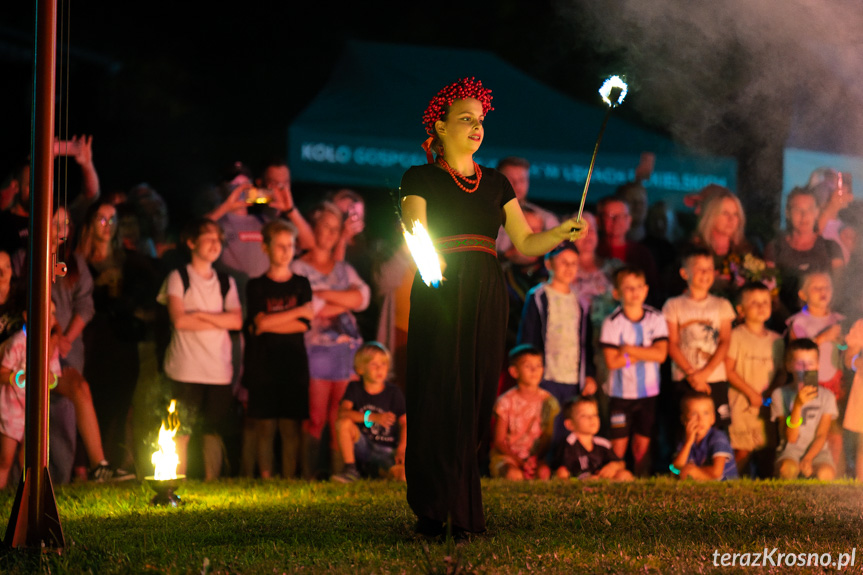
<point x="634" y="340"/>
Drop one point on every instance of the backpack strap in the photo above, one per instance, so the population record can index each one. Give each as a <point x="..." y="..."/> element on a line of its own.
<point x="224" y="286"/>
<point x="224" y="282"/>
<point x="184" y="275"/>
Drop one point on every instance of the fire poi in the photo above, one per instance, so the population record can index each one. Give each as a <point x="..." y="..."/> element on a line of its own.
<point x="422" y="249"/>
<point x="613" y="91"/>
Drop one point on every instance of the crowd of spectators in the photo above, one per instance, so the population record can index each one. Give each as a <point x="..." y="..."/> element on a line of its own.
<point x="642" y="348"/>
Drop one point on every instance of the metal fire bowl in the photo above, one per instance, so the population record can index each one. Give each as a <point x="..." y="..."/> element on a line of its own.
<point x="165" y="490"/>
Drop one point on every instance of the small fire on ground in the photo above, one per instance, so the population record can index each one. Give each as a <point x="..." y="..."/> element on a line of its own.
<point x="166" y="459"/>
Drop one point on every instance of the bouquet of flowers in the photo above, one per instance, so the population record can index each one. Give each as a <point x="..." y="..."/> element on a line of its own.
<point x="749" y="268"/>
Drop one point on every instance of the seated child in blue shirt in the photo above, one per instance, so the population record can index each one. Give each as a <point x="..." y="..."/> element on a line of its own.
<point x="583" y="455"/>
<point x="371" y="429"/>
<point x="705" y="454"/>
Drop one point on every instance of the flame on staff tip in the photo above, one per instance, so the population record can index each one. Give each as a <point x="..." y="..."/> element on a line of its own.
<point x="422" y="250"/>
<point x="609" y="87"/>
<point x="166" y="458"/>
<point x="613" y="91"/>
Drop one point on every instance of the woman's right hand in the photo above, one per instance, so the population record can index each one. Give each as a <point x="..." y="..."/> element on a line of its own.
<point x="237" y="198"/>
<point x="572" y="229"/>
<point x="806" y="394"/>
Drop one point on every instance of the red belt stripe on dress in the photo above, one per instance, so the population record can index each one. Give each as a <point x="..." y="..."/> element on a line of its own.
<point x="466" y="243"/>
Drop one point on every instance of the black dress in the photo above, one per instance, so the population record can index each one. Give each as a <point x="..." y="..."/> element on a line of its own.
<point x="276" y="367"/>
<point x="456" y="342"/>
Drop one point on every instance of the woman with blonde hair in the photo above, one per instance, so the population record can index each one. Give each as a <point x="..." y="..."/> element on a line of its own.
<point x="720" y="229"/>
<point x="337" y="293"/>
<point x="722" y="223"/>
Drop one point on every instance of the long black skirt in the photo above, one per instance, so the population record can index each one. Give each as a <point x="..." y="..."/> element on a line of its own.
<point x="456" y="342"/>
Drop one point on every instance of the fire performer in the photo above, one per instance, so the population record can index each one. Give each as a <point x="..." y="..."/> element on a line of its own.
<point x="456" y="334"/>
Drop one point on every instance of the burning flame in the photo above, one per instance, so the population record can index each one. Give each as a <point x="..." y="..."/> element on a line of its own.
<point x="422" y="249"/>
<point x="166" y="459"/>
<point x="611" y="84"/>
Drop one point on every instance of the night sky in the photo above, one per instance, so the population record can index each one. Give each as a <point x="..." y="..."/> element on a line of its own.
<point x="172" y="96"/>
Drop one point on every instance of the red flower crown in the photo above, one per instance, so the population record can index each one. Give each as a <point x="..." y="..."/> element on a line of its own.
<point x="438" y="106"/>
<point x="463" y="89"/>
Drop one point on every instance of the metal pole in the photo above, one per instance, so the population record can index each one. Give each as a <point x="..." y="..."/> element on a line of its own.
<point x="592" y="162"/>
<point x="34" y="521"/>
<point x="613" y="100"/>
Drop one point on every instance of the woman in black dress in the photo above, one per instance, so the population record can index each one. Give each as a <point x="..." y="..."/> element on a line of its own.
<point x="456" y="334"/>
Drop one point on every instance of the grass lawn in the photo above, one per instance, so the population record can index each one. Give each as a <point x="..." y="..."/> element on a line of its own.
<point x="650" y="526"/>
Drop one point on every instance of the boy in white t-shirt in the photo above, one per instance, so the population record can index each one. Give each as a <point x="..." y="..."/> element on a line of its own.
<point x="699" y="332"/>
<point x="203" y="306"/>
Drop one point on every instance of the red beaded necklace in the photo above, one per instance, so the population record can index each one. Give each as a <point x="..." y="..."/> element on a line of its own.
<point x="455" y="176"/>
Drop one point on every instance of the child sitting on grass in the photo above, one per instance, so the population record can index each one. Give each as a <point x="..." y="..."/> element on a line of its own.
<point x="371" y="429"/>
<point x="819" y="323"/>
<point x="524" y="420"/>
<point x="705" y="453"/>
<point x="583" y="455"/>
<point x="805" y="411"/>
